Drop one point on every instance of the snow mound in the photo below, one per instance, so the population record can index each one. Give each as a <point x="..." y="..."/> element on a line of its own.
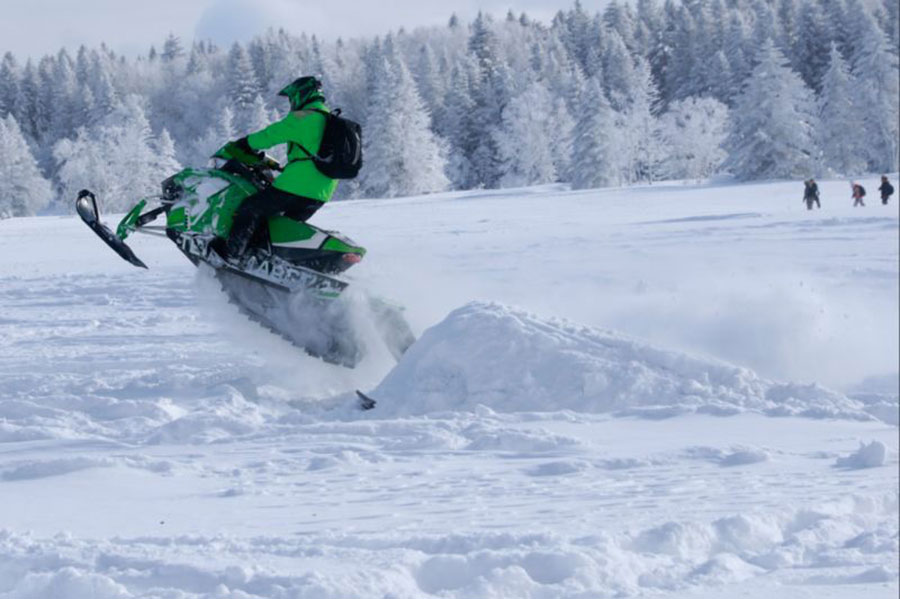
<point x="869" y="455"/>
<point x="674" y="558"/>
<point x="512" y="361"/>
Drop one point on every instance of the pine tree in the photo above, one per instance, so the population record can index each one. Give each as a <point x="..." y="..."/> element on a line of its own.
<point x="764" y="27"/>
<point x="106" y="98"/>
<point x="44" y="107"/>
<point x="64" y="98"/>
<point x="255" y="117"/>
<point x="428" y="81"/>
<point x="810" y="52"/>
<point x="458" y="127"/>
<point x="618" y="18"/>
<point x="841" y="132"/>
<point x="491" y="89"/>
<point x="892" y="24"/>
<point x="164" y="162"/>
<point x="221" y="131"/>
<point x="786" y="12"/>
<point x="721" y="77"/>
<point x="9" y="84"/>
<point x="618" y="71"/>
<point x="23" y="190"/>
<point x="172" y="49"/>
<point x="681" y="77"/>
<point x="875" y="70"/>
<point x="773" y="125"/>
<point x="736" y="52"/>
<point x="641" y="127"/>
<point x="595" y="149"/>
<point x="836" y="24"/>
<point x="483" y="44"/>
<point x="524" y="139"/>
<point x="402" y="155"/>
<point x="26" y="104"/>
<point x="242" y="84"/>
<point x="578" y="41"/>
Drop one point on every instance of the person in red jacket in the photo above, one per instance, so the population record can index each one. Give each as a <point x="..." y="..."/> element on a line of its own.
<point x="859" y="192"/>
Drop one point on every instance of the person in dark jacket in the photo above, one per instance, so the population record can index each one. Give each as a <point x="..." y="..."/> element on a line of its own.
<point x="811" y="194"/>
<point x="886" y="189"/>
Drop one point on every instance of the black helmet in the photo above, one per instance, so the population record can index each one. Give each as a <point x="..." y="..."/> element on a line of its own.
<point x="302" y="91"/>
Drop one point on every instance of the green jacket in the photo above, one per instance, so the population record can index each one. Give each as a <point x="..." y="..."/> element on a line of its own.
<point x="300" y="177"/>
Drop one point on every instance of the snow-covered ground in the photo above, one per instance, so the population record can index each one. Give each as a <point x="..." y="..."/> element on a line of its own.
<point x="676" y="390"/>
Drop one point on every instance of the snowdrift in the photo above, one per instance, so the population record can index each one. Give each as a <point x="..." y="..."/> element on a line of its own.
<point x="511" y="361"/>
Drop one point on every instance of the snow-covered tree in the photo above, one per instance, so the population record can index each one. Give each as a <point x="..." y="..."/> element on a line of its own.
<point x="774" y="122"/>
<point x="23" y="190"/>
<point x="877" y="92"/>
<point x="596" y="158"/>
<point x="892" y="24"/>
<point x="255" y="117"/>
<point x="401" y="154"/>
<point x="468" y="74"/>
<point x="736" y="51"/>
<point x="618" y="72"/>
<point x="524" y="139"/>
<point x="640" y="127"/>
<point x="457" y="125"/>
<point x="164" y="162"/>
<point x="172" y="49"/>
<point x="9" y="84"/>
<point x="242" y="84"/>
<point x="841" y="131"/>
<point x="120" y="160"/>
<point x="810" y="52"/>
<point x="692" y="131"/>
<point x="219" y="132"/>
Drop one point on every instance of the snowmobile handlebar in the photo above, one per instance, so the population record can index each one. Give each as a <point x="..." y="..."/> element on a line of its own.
<point x="270" y="163"/>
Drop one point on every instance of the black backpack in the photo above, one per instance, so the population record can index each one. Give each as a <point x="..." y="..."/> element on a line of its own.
<point x="862" y="191"/>
<point x="340" y="153"/>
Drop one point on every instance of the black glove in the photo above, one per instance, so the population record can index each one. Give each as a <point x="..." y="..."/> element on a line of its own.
<point x="241" y="151"/>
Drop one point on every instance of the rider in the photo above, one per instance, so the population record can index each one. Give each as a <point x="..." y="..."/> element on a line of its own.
<point x="300" y="189"/>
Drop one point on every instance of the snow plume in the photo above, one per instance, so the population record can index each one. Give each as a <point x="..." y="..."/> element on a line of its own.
<point x="509" y="360"/>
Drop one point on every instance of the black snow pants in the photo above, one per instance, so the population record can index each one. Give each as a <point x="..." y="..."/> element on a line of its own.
<point x="259" y="207"/>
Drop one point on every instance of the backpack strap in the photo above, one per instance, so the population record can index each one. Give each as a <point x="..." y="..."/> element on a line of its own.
<point x="310" y="155"/>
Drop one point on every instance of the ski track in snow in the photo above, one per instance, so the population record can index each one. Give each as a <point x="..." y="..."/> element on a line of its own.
<point x="153" y="443"/>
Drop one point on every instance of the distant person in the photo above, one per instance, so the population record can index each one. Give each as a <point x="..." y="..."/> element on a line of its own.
<point x="886" y="189"/>
<point x="859" y="192"/>
<point x="811" y="194"/>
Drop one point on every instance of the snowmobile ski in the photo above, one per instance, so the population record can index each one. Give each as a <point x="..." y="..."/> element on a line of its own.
<point x="86" y="206"/>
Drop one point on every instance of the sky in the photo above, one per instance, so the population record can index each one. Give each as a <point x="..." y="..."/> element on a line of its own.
<point x="37" y="27"/>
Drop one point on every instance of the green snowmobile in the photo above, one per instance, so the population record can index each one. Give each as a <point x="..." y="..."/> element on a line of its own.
<point x="290" y="278"/>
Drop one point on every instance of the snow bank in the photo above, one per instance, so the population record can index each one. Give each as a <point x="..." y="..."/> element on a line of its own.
<point x="869" y="455"/>
<point x="512" y="361"/>
<point x="676" y="556"/>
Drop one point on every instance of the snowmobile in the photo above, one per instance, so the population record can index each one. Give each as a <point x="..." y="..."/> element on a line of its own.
<point x="289" y="280"/>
